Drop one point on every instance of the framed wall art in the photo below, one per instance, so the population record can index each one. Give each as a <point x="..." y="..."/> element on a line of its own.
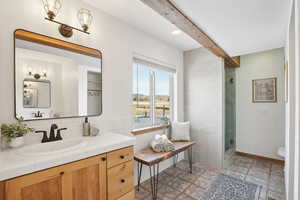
<point x="264" y="90"/>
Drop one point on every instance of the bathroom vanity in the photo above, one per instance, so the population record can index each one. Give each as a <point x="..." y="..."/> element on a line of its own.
<point x="101" y="168"/>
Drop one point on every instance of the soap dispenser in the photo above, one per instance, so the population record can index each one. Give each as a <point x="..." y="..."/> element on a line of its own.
<point x="86" y="127"/>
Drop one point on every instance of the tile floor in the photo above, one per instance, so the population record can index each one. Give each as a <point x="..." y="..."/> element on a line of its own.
<point x="177" y="183"/>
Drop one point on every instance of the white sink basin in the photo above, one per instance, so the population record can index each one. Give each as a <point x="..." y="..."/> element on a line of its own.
<point x="51" y="148"/>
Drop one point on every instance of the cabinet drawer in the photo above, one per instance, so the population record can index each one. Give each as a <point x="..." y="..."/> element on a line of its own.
<point x="120" y="156"/>
<point x="128" y="196"/>
<point x="120" y="180"/>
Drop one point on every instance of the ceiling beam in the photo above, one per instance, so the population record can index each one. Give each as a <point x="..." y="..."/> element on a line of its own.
<point x="169" y="11"/>
<point x="235" y="59"/>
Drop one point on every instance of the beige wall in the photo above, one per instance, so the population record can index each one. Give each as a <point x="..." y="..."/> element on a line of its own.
<point x="260" y="127"/>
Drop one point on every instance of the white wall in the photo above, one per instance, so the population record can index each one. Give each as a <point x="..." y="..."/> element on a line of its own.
<point x="260" y="126"/>
<point x="117" y="41"/>
<point x="204" y="104"/>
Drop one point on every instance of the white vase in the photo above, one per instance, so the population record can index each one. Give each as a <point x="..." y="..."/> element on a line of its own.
<point x="16" y="142"/>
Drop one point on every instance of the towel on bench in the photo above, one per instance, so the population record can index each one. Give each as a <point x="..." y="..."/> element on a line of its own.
<point x="162" y="144"/>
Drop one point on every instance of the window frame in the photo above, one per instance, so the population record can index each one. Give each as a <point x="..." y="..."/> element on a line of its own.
<point x="172" y="76"/>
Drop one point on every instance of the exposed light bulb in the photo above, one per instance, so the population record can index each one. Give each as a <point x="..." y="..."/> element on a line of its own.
<point x="29" y="71"/>
<point x="52" y="7"/>
<point x="85" y="18"/>
<point x="177" y="32"/>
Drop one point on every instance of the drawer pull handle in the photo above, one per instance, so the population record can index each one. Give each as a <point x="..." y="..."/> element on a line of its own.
<point x="62" y="173"/>
<point x="122" y="180"/>
<point x="122" y="157"/>
<point x="103" y="159"/>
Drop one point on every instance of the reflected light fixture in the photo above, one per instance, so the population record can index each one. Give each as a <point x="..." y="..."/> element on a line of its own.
<point x="29" y="71"/>
<point x="35" y="74"/>
<point x="85" y="18"/>
<point x="44" y="73"/>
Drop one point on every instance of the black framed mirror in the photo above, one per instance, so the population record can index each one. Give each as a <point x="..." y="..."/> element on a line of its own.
<point x="55" y="79"/>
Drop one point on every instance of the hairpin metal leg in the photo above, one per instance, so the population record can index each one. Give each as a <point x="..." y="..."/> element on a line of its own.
<point x="190" y="155"/>
<point x="140" y="168"/>
<point x="154" y="174"/>
<point x="175" y="160"/>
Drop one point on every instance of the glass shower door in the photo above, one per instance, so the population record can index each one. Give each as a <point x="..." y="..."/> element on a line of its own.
<point x="230" y="104"/>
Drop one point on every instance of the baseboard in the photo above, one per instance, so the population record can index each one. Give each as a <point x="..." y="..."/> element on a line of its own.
<point x="273" y="160"/>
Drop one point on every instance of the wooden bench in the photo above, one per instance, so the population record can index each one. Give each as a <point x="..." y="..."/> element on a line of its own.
<point x="152" y="159"/>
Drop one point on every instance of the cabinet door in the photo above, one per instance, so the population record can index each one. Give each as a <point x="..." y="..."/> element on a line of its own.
<point x="80" y="180"/>
<point x="46" y="185"/>
<point x="86" y="179"/>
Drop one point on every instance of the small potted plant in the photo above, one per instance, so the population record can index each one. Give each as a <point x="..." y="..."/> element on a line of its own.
<point x="13" y="133"/>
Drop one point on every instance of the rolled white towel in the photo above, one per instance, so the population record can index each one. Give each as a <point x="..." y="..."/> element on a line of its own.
<point x="162" y="143"/>
<point x="169" y="146"/>
<point x="157" y="146"/>
<point x="160" y="138"/>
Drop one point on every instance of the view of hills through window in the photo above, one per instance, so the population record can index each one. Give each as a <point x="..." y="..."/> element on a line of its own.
<point x="151" y="96"/>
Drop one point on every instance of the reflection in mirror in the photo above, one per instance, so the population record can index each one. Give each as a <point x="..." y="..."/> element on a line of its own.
<point x="55" y="82"/>
<point x="36" y="93"/>
<point x="94" y="92"/>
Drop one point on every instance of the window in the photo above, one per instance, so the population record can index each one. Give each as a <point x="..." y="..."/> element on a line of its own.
<point x="152" y="94"/>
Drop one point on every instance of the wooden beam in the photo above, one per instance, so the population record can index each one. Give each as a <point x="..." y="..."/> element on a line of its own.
<point x="169" y="11"/>
<point x="235" y="59"/>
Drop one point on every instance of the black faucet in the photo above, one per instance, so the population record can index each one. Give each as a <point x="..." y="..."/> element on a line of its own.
<point x="52" y="136"/>
<point x="45" y="137"/>
<point x="58" y="135"/>
<point x="52" y="132"/>
<point x="38" y="114"/>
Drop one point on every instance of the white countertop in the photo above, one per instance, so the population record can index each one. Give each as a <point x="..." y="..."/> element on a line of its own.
<point x="12" y="164"/>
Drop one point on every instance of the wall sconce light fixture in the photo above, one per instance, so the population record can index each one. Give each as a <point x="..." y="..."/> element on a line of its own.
<point x="85" y="18"/>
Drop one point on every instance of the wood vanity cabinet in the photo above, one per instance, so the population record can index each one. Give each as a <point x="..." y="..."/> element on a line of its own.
<point x="107" y="176"/>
